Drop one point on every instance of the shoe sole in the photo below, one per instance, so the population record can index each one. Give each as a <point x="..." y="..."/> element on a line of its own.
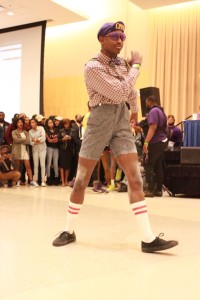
<point x="100" y="192"/>
<point x="161" y="248"/>
<point x="64" y="244"/>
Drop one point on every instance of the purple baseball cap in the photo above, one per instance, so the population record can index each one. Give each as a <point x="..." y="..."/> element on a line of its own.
<point x="109" y="27"/>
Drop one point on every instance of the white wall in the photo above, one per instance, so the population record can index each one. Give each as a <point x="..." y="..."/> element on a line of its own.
<point x="68" y="47"/>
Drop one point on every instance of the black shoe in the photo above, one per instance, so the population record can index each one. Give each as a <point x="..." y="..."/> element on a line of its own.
<point x="157" y="193"/>
<point x="158" y="245"/>
<point x="10" y="183"/>
<point x="56" y="181"/>
<point x="148" y="194"/>
<point x="64" y="238"/>
<point x="49" y="181"/>
<point x="123" y="188"/>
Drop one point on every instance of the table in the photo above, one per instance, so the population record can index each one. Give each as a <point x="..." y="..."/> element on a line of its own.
<point x="191" y="133"/>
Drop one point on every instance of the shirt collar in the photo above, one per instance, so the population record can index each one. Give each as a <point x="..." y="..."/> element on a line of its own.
<point x="105" y="59"/>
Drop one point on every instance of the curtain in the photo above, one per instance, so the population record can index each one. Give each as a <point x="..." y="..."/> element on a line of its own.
<point x="174" y="58"/>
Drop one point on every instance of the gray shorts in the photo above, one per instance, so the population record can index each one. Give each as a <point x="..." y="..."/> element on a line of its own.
<point x="108" y="125"/>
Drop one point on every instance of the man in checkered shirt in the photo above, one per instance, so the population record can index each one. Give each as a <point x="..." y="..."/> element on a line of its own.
<point x="110" y="83"/>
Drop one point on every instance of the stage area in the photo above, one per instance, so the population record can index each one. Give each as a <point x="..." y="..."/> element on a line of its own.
<point x="106" y="262"/>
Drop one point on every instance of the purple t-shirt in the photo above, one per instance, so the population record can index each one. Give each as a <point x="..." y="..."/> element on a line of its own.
<point x="176" y="134"/>
<point x="158" y="117"/>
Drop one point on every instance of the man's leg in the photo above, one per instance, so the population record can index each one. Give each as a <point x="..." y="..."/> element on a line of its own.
<point x="36" y="165"/>
<point x="130" y="166"/>
<point x="84" y="172"/>
<point x="11" y="175"/>
<point x="154" y="154"/>
<point x="48" y="162"/>
<point x="42" y="158"/>
<point x="112" y="172"/>
<point x="105" y="158"/>
<point x="15" y="177"/>
<point x="150" y="243"/>
<point x="159" y="172"/>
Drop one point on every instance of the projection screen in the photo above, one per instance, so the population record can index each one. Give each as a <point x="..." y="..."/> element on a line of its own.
<point x="21" y="69"/>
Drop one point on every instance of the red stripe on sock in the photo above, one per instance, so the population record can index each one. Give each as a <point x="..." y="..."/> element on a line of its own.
<point x="73" y="208"/>
<point x="73" y="212"/>
<point x="139" y="207"/>
<point x="141" y="212"/>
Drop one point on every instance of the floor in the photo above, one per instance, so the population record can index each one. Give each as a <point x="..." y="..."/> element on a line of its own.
<point x="106" y="261"/>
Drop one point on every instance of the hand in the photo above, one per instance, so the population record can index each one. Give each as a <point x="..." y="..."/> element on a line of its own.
<point x="65" y="138"/>
<point x="9" y="156"/>
<point x="133" y="118"/>
<point x="145" y="148"/>
<point x="132" y="123"/>
<point x="136" y="58"/>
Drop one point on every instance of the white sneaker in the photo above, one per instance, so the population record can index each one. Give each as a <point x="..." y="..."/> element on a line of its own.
<point x="33" y="183"/>
<point x="18" y="184"/>
<point x="43" y="184"/>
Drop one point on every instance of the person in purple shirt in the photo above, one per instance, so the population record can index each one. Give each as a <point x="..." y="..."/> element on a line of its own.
<point x="175" y="135"/>
<point x="154" y="146"/>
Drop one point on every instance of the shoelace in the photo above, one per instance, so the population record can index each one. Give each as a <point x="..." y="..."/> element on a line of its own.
<point x="160" y="235"/>
<point x="60" y="233"/>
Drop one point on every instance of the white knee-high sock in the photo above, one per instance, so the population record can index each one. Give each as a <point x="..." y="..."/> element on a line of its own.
<point x="72" y="215"/>
<point x="142" y="219"/>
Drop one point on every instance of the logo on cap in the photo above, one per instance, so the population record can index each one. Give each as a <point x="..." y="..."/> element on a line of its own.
<point x="119" y="26"/>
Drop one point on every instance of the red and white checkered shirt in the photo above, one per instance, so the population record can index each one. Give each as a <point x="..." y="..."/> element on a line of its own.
<point x="109" y="83"/>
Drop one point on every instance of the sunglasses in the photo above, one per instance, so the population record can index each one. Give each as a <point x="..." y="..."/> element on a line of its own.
<point x="115" y="36"/>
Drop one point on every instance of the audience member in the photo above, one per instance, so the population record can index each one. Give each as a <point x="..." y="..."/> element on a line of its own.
<point x="40" y="120"/>
<point x="2" y="140"/>
<point x="52" y="152"/>
<point x="38" y="142"/>
<point x="3" y="127"/>
<point x="20" y="149"/>
<point x="175" y="134"/>
<point x="154" y="146"/>
<point x="78" y="137"/>
<point x="78" y="120"/>
<point x="66" y="148"/>
<point x="8" y="172"/>
<point x="58" y="122"/>
<point x="105" y="160"/>
<point x="27" y="126"/>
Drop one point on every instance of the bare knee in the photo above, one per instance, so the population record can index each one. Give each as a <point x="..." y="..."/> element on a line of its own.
<point x="82" y="179"/>
<point x="80" y="184"/>
<point x="136" y="182"/>
<point x="84" y="172"/>
<point x="17" y="175"/>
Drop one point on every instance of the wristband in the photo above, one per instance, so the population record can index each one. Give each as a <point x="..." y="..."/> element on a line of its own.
<point x="146" y="143"/>
<point x="137" y="66"/>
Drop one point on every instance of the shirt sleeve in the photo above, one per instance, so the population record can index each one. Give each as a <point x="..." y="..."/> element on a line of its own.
<point x="30" y="138"/>
<point x="153" y="117"/>
<point x="42" y="137"/>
